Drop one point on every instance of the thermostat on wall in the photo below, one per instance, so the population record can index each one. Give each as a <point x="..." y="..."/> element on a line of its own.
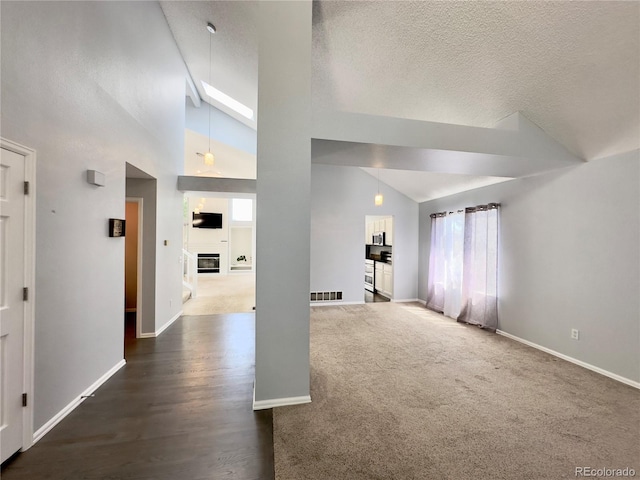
<point x="95" y="177"/>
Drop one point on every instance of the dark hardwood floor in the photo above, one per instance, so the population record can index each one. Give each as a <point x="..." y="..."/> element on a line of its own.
<point x="374" y="297"/>
<point x="179" y="409"/>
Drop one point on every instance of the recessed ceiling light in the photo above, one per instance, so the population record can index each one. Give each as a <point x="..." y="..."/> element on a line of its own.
<point x="228" y="101"/>
<point x="211" y="27"/>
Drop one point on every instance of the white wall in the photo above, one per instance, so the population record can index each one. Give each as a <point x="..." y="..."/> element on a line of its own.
<point x="86" y="86"/>
<point x="569" y="258"/>
<point x="241" y="243"/>
<point x="227" y="129"/>
<point x="341" y="197"/>
<point x="282" y="210"/>
<point x="210" y="240"/>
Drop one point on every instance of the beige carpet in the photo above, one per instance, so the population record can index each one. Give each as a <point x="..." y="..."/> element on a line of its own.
<point x="402" y="393"/>
<point x="233" y="293"/>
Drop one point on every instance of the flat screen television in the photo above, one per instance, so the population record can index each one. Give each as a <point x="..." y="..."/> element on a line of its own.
<point x="207" y="220"/>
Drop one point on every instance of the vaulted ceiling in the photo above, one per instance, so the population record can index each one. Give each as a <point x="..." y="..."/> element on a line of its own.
<point x="573" y="68"/>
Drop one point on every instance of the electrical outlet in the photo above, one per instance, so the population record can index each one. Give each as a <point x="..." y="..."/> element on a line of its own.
<point x="575" y="334"/>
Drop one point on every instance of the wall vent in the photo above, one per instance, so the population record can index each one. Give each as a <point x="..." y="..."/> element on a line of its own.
<point x="326" y="296"/>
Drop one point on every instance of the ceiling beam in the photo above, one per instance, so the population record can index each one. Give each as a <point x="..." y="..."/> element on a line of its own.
<point x="213" y="184"/>
<point x="519" y="148"/>
<point x="192" y="92"/>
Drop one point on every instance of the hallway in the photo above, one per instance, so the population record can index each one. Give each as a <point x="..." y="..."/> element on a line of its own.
<point x="180" y="408"/>
<point x="232" y="293"/>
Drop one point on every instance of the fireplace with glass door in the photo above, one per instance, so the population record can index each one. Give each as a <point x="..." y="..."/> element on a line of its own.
<point x="208" y="263"/>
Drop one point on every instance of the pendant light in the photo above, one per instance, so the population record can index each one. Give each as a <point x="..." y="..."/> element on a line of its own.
<point x="378" y="198"/>
<point x="209" y="159"/>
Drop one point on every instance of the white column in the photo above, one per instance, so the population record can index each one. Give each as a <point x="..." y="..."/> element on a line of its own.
<point x="283" y="204"/>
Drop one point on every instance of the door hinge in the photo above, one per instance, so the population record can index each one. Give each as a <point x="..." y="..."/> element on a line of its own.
<point x="25" y="294"/>
<point x="24" y="399"/>
<point x="26" y="188"/>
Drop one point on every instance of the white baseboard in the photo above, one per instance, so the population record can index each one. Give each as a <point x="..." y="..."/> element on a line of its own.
<point x="409" y="300"/>
<point x="588" y="366"/>
<point x="168" y="324"/>
<point x="162" y="328"/>
<point x="57" y="418"/>
<point x="278" y="402"/>
<point x="333" y="303"/>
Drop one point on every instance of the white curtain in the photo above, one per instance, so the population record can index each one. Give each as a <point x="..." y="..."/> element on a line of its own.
<point x="453" y="260"/>
<point x="446" y="263"/>
<point x="463" y="265"/>
<point x="480" y="285"/>
<point x="435" y="283"/>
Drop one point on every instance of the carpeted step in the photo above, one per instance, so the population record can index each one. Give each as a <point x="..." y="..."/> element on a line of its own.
<point x="186" y="294"/>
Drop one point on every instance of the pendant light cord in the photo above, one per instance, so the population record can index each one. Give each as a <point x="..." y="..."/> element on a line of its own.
<point x="210" y="40"/>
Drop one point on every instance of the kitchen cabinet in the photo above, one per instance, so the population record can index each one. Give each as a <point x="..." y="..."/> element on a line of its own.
<point x="376" y="226"/>
<point x="379" y="274"/>
<point x="368" y="233"/>
<point x="387" y="281"/>
<point x="388" y="231"/>
<point x="384" y="279"/>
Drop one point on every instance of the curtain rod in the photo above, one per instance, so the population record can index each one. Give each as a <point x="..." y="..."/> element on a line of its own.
<point x="477" y="208"/>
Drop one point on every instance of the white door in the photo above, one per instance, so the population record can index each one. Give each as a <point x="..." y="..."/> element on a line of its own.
<point x="12" y="282"/>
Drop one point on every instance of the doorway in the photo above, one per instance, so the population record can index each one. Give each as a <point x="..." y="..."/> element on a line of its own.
<point x="133" y="267"/>
<point x="17" y="290"/>
<point x="142" y="188"/>
<point x="229" y="287"/>
<point x="378" y="262"/>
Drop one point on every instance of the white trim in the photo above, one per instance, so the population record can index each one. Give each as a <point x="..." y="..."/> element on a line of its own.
<point x="409" y="300"/>
<point x="163" y="328"/>
<point x="333" y="303"/>
<point x="29" y="281"/>
<point x="169" y="323"/>
<point x="588" y="366"/>
<point x="278" y="402"/>
<point x="338" y="302"/>
<point x="57" y="418"/>
<point x="192" y="91"/>
<point x="138" y="308"/>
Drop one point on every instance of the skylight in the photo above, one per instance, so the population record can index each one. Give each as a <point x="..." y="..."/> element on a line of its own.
<point x="226" y="100"/>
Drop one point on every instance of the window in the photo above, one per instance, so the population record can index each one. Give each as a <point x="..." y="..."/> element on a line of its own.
<point x="463" y="265"/>
<point x="242" y="210"/>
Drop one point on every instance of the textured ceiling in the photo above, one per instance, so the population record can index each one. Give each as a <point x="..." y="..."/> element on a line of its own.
<point x="573" y="68"/>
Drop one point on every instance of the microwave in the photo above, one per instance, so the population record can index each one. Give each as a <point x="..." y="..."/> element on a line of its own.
<point x="378" y="238"/>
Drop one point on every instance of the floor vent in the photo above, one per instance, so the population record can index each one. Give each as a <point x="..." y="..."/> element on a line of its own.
<point x="326" y="296"/>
